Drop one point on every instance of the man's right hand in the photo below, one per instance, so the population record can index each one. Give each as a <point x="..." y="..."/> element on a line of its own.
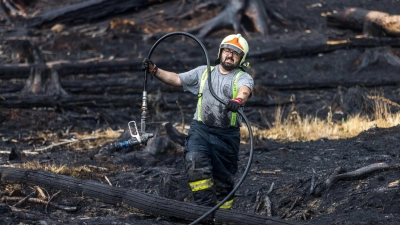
<point x="148" y="65"/>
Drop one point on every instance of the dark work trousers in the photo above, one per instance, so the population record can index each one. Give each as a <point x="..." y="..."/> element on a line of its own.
<point x="211" y="160"/>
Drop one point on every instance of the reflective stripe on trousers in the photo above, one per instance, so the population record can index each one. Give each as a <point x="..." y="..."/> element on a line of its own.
<point x="201" y="184"/>
<point x="227" y="205"/>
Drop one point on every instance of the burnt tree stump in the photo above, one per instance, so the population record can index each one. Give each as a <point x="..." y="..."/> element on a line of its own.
<point x="40" y="81"/>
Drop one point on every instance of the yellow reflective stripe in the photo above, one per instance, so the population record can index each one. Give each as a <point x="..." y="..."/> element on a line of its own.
<point x="200" y="95"/>
<point x="234" y="94"/>
<point x="227" y="205"/>
<point x="201" y="184"/>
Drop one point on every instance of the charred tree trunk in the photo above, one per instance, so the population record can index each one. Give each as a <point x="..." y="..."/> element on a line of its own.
<point x="88" y="66"/>
<point x="272" y="50"/>
<point x="151" y="204"/>
<point x="40" y="81"/>
<point x="107" y="101"/>
<point x="371" y="23"/>
<point x="85" y="12"/>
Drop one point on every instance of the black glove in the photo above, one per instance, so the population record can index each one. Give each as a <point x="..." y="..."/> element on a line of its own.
<point x="148" y="65"/>
<point x="234" y="104"/>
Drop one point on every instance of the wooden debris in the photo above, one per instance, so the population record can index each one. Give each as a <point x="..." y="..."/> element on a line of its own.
<point x="291" y="207"/>
<point x="84" y="12"/>
<point x="67" y="67"/>
<point x="64" y="143"/>
<point x="48" y="202"/>
<point x="312" y="186"/>
<point x="40" y="201"/>
<point x="143" y="201"/>
<point x="339" y="174"/>
<point x="371" y="23"/>
<point x="268" y="204"/>
<point x="257" y="203"/>
<point x="22" y="200"/>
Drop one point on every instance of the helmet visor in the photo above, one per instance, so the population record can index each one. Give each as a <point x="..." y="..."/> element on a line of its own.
<point x="236" y="49"/>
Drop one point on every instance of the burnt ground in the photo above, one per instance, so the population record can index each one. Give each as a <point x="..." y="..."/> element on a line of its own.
<point x="291" y="167"/>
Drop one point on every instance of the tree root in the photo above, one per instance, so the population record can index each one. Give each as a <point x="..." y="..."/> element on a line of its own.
<point x="232" y="15"/>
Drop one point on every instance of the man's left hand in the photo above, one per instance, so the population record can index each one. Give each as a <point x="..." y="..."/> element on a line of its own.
<point x="234" y="104"/>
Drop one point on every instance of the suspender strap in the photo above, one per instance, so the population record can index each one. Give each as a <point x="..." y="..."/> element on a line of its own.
<point x="200" y="95"/>
<point x="234" y="94"/>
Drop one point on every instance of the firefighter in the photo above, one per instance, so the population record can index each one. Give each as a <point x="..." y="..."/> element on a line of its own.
<point x="212" y="146"/>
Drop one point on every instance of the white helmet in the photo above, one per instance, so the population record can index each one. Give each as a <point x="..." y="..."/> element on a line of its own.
<point x="237" y="43"/>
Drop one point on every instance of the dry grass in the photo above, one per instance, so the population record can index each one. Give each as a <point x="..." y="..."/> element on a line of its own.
<point x="81" y="141"/>
<point x="295" y="128"/>
<point x="58" y="169"/>
<point x="292" y="128"/>
<point x="84" y="171"/>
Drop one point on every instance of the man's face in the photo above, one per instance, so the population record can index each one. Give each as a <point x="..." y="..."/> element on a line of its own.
<point x="230" y="59"/>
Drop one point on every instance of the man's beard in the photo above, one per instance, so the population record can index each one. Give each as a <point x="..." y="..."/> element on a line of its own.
<point x="228" y="67"/>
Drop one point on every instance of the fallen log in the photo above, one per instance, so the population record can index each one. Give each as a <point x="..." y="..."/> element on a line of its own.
<point x="101" y="86"/>
<point x="305" y="45"/>
<point x="148" y="203"/>
<point x="163" y="100"/>
<point x="16" y="100"/>
<point x="114" y="84"/>
<point x="67" y="67"/>
<point x="24" y="101"/>
<point x="273" y="50"/>
<point x="85" y="12"/>
<point x="133" y="85"/>
<point x="371" y="23"/>
<point x="339" y="174"/>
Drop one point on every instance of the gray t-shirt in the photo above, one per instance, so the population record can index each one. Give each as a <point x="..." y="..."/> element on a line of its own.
<point x="213" y="112"/>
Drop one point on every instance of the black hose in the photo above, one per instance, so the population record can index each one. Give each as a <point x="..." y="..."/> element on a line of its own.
<point x="220" y="100"/>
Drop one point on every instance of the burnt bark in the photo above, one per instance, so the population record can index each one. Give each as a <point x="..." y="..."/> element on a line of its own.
<point x="68" y="101"/>
<point x="305" y="45"/>
<point x="85" y="12"/>
<point x="96" y="101"/>
<point x="67" y="67"/>
<point x="340" y="174"/>
<point x="148" y="203"/>
<point x="39" y="81"/>
<point x="272" y="50"/>
<point x="371" y="23"/>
